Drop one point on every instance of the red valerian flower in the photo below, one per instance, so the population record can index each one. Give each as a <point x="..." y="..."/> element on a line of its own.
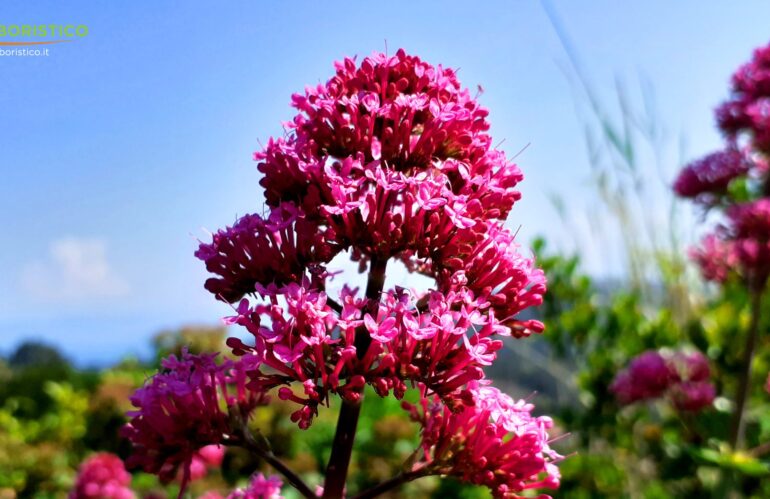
<point x="260" y="487"/>
<point x="206" y="458"/>
<point x="102" y="476"/>
<point x="715" y="257"/>
<point x="748" y="110"/>
<point x="740" y="246"/>
<point x="681" y="376"/>
<point x="389" y="159"/>
<point x="495" y="442"/>
<point x="648" y="376"/>
<point x="708" y="178"/>
<point x="184" y="408"/>
<point x="279" y="249"/>
<point x="692" y="396"/>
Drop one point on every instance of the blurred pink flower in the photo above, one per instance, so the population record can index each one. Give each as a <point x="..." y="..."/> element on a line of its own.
<point x="260" y="487"/>
<point x="682" y="376"/>
<point x="102" y="476"/>
<point x="647" y="377"/>
<point x="692" y="396"/>
<point x="748" y="110"/>
<point x="205" y="458"/>
<point x="708" y="177"/>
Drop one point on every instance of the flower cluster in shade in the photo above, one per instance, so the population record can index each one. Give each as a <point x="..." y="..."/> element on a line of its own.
<point x="494" y="442"/>
<point x="184" y="410"/>
<point x="740" y="245"/>
<point x="102" y="476"/>
<point x="682" y="377"/>
<point x="389" y="159"/>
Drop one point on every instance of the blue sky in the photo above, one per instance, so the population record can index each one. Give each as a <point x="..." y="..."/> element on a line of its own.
<point x="118" y="149"/>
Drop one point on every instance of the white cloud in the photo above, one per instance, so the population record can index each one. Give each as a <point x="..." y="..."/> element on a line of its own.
<point x="74" y="270"/>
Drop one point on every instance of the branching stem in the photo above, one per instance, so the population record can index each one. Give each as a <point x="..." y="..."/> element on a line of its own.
<point x="342" y="448"/>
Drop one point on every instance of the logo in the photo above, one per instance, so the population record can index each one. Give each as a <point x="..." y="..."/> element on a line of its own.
<point x="31" y="34"/>
<point x="29" y="37"/>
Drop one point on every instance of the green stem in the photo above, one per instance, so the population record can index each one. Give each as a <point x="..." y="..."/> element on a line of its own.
<point x="342" y="448"/>
<point x="738" y="426"/>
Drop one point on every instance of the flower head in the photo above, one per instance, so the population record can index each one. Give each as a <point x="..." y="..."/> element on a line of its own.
<point x="692" y="396"/>
<point x="102" y="476"/>
<point x="707" y="178"/>
<point x="647" y="377"/>
<point x="183" y="409"/>
<point x="389" y="159"/>
<point x="260" y="487"/>
<point x="748" y="110"/>
<point x="495" y="442"/>
<point x="682" y="376"/>
<point x="741" y="246"/>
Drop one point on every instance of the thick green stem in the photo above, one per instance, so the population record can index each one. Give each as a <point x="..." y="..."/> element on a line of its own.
<point x="738" y="426"/>
<point x="342" y="448"/>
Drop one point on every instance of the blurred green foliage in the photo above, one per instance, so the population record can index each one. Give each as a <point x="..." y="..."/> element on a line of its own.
<point x="649" y="450"/>
<point x="52" y="415"/>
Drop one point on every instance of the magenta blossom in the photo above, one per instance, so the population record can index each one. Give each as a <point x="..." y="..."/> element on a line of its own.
<point x="260" y="488"/>
<point x="748" y="110"/>
<point x="102" y="476"/>
<point x="707" y="178"/>
<point x="682" y="376"/>
<point x="715" y="257"/>
<point x="739" y="247"/>
<point x="180" y="412"/>
<point x="206" y="458"/>
<point x="495" y="442"/>
<point x="692" y="396"/>
<point x="389" y="159"/>
<point x="647" y="377"/>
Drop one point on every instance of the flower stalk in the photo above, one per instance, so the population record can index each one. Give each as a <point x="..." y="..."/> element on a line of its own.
<point x="347" y="422"/>
<point x="738" y="426"/>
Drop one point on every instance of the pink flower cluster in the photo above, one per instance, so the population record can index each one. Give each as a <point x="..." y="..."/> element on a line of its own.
<point x="308" y="342"/>
<point x="708" y="178"/>
<point x="102" y="476"/>
<point x="389" y="159"/>
<point x="748" y="110"/>
<point x="184" y="409"/>
<point x="682" y="377"/>
<point x="203" y="460"/>
<point x="260" y="487"/>
<point x="494" y="442"/>
<point x="740" y="246"/>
